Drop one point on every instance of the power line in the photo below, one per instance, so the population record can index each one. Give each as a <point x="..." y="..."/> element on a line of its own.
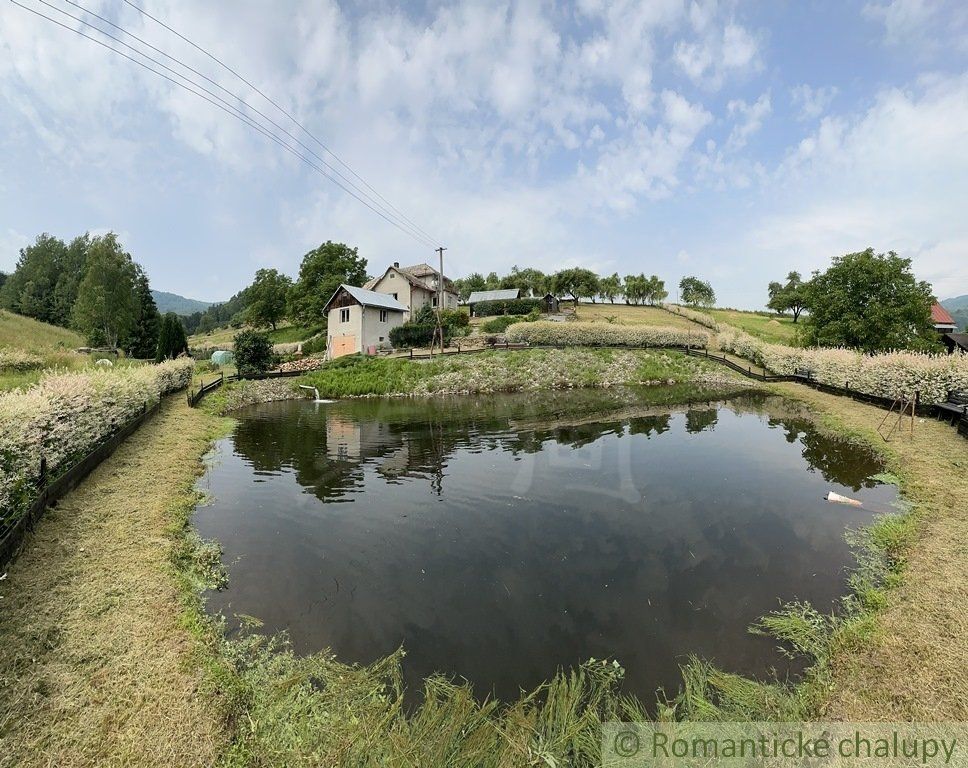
<point x="238" y="114"/>
<point x="387" y="207"/>
<point x="285" y="112"/>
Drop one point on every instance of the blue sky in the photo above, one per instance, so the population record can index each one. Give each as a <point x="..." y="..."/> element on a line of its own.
<point x="733" y="141"/>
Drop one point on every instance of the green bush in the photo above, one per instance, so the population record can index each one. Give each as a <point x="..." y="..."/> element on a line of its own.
<point x="417" y="334"/>
<point x="315" y="345"/>
<point x="253" y="352"/>
<point x="507" y="307"/>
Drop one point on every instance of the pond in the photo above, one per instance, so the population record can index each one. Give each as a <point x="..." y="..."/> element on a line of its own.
<point x="501" y="538"/>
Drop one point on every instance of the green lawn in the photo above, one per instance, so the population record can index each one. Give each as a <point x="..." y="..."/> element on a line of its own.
<point x="52" y="345"/>
<point x="776" y="329"/>
<point x="284" y="334"/>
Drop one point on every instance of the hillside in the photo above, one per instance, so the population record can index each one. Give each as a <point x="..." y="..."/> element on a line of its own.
<point x="956" y="303"/>
<point x="19" y="332"/>
<point x="172" y="302"/>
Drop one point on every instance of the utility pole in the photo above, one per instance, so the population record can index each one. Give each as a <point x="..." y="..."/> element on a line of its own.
<point x="439" y="332"/>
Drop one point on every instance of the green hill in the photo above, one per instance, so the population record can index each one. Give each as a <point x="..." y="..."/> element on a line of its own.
<point x="19" y="332"/>
<point x="956" y="303"/>
<point x="172" y="302"/>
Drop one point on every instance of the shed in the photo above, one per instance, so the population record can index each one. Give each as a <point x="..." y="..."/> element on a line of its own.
<point x="504" y="294"/>
<point x="955" y="342"/>
<point x="551" y="303"/>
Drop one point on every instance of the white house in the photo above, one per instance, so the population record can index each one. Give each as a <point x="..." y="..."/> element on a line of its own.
<point x="414" y="287"/>
<point x="360" y="320"/>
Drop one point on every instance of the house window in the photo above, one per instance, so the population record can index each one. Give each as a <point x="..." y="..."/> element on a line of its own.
<point x="394" y="296"/>
<point x="344" y="315"/>
<point x="383" y="317"/>
<point x="434" y="301"/>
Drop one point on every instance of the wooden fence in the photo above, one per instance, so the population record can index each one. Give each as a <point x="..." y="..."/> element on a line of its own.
<point x="49" y="490"/>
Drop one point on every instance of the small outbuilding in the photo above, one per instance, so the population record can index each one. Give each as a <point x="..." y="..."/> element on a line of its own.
<point x="359" y="320"/>
<point x="504" y="294"/>
<point x="942" y="320"/>
<point x="222" y="357"/>
<point x="955" y="342"/>
<point x="551" y="303"/>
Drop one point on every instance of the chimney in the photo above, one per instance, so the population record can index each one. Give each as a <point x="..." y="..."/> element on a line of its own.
<point x="396" y="264"/>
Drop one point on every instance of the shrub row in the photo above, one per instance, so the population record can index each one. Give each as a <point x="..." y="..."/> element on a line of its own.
<point x="690" y="314"/>
<point x="507" y="307"/>
<point x="891" y="375"/>
<point x="66" y="416"/>
<point x="605" y="334"/>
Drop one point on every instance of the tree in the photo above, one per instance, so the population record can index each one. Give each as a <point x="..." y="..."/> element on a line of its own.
<point x="788" y="297"/>
<point x="492" y="282"/>
<point x="320" y="274"/>
<point x="253" y="352"/>
<point x="267" y="298"/>
<point x="696" y="292"/>
<point x="143" y="340"/>
<point x="871" y="302"/>
<point x="107" y="304"/>
<point x="635" y="289"/>
<point x="465" y="286"/>
<point x="45" y="282"/>
<point x="575" y="282"/>
<point x="171" y="338"/>
<point x="655" y="292"/>
<point x="610" y="287"/>
<point x="530" y="281"/>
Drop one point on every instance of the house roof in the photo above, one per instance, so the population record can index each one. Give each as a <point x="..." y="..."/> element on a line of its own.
<point x="502" y="295"/>
<point x="941" y="316"/>
<point x="419" y="275"/>
<point x="960" y="340"/>
<point x="368" y="299"/>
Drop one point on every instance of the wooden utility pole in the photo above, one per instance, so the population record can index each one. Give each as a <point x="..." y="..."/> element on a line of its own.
<point x="439" y="331"/>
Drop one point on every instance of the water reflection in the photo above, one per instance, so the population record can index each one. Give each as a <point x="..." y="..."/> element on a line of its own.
<point x="500" y="538"/>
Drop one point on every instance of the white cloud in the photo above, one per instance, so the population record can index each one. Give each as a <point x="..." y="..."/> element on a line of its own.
<point x="811" y="102"/>
<point x="749" y="119"/>
<point x="718" y="53"/>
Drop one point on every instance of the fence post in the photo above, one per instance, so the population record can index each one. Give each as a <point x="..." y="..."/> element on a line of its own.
<point x="42" y="478"/>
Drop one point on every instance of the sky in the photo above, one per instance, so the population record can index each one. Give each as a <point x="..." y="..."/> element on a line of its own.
<point x="732" y="141"/>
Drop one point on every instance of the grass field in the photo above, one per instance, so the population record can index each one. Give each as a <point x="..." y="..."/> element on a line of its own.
<point x="52" y="345"/>
<point x="776" y="329"/>
<point x="284" y="334"/>
<point x="623" y="314"/>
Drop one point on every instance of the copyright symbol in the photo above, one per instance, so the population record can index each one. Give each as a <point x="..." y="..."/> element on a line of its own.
<point x="626" y="743"/>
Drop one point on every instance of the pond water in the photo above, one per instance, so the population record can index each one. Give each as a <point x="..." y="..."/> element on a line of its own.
<point x="500" y="538"/>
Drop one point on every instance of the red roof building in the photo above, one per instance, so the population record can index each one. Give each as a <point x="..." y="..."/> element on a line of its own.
<point x="942" y="319"/>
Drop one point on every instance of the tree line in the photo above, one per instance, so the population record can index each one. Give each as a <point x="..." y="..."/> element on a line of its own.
<point x="92" y="285"/>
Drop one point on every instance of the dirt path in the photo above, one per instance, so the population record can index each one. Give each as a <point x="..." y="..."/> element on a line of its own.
<point x="95" y="668"/>
<point x="916" y="666"/>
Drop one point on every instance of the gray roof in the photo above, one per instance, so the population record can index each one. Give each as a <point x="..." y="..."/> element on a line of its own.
<point x="369" y="298"/>
<point x="502" y="295"/>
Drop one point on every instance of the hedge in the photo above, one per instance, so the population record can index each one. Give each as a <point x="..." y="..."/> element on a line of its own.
<point x="605" y="334"/>
<point x="66" y="416"/>
<point x="416" y="335"/>
<point x="893" y="374"/>
<point x="507" y="307"/>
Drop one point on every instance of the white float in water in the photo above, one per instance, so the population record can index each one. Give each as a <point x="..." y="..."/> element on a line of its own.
<point x="315" y="393"/>
<point x="838" y="499"/>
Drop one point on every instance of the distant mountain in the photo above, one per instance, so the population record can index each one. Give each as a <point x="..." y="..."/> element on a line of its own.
<point x="958" y="302"/>
<point x="172" y="302"/>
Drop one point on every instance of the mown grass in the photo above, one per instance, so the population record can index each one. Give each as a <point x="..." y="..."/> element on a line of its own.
<point x="53" y="345"/>
<point x="776" y="329"/>
<point x="285" y="334"/>
<point x="624" y="314"/>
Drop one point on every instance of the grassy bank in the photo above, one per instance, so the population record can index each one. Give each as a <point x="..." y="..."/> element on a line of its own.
<point x="510" y="371"/>
<point x="107" y="656"/>
<point x="776" y="329"/>
<point x="28" y="346"/>
<point x="97" y="664"/>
